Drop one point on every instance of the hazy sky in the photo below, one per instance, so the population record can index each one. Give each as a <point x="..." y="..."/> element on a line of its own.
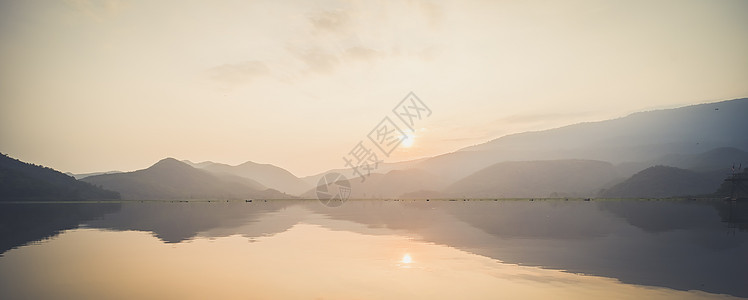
<point x="117" y="85"/>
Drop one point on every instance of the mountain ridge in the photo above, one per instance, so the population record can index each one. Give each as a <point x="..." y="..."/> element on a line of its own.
<point x="266" y="174"/>
<point x="665" y="181"/>
<point x="25" y="181"/>
<point x="172" y="179"/>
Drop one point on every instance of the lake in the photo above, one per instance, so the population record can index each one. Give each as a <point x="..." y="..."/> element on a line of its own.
<point x="375" y="249"/>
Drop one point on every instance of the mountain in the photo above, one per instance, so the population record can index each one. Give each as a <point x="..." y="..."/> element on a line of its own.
<point x="639" y="137"/>
<point x="551" y="178"/>
<point x="199" y="165"/>
<point x="24" y="181"/>
<point x="266" y="174"/>
<point x="716" y="159"/>
<point x="382" y="168"/>
<point x="84" y="175"/>
<point x="690" y="129"/>
<point x="393" y="184"/>
<point x="664" y="181"/>
<point x="172" y="179"/>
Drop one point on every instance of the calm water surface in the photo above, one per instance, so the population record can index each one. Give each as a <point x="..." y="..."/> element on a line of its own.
<point x="295" y="249"/>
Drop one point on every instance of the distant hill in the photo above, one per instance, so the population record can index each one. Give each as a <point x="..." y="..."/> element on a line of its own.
<point x="551" y="178"/>
<point x="390" y="185"/>
<point x="24" y="181"/>
<point x="382" y="168"/>
<point x="643" y="136"/>
<point x="172" y="179"/>
<point x="664" y="181"/>
<point x="713" y="160"/>
<point x="266" y="174"/>
<point x="84" y="175"/>
<point x="716" y="159"/>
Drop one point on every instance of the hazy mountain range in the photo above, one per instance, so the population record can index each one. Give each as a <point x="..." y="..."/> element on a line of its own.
<point x="84" y="175"/>
<point x="664" y="181"/>
<point x="552" y="178"/>
<point x="581" y="160"/>
<point x="265" y="174"/>
<point x="639" y="137"/>
<point x="613" y="158"/>
<point x="173" y="179"/>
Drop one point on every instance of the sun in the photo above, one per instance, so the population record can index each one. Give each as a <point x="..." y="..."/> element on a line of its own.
<point x="406" y="259"/>
<point x="408" y="140"/>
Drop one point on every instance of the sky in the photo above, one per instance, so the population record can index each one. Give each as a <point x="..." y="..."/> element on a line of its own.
<point x="90" y="85"/>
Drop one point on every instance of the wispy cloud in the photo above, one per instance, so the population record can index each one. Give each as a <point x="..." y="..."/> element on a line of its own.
<point x="336" y="37"/>
<point x="317" y="60"/>
<point x="331" y="21"/>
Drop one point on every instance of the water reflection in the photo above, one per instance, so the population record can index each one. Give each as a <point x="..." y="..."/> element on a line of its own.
<point x="21" y="224"/>
<point x="470" y="247"/>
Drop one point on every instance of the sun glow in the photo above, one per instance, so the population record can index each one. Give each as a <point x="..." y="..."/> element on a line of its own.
<point x="408" y="140"/>
<point x="406" y="259"/>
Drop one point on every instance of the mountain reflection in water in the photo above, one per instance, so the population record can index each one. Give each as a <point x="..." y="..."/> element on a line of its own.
<point x="360" y="249"/>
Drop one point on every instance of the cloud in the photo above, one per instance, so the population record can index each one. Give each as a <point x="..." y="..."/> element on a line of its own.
<point x="317" y="60"/>
<point x="333" y="21"/>
<point x="356" y="34"/>
<point x="238" y="73"/>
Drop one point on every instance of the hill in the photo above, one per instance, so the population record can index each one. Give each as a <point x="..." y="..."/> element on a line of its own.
<point x="639" y="137"/>
<point x="266" y="174"/>
<point x="172" y="179"/>
<point x="551" y="178"/>
<point x="713" y="160"/>
<point x="84" y="175"/>
<point x="382" y="168"/>
<point x="24" y="181"/>
<point x="664" y="181"/>
<point x="393" y="184"/>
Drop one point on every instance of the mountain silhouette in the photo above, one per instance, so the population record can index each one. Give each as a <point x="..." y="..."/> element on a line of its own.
<point x="665" y="181"/>
<point x="639" y="137"/>
<point x="393" y="184"/>
<point x="382" y="168"/>
<point x="84" y="175"/>
<point x="266" y="174"/>
<point x="571" y="161"/>
<point x="173" y="179"/>
<point x="24" y="181"/>
<point x="552" y="178"/>
<point x="713" y="160"/>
